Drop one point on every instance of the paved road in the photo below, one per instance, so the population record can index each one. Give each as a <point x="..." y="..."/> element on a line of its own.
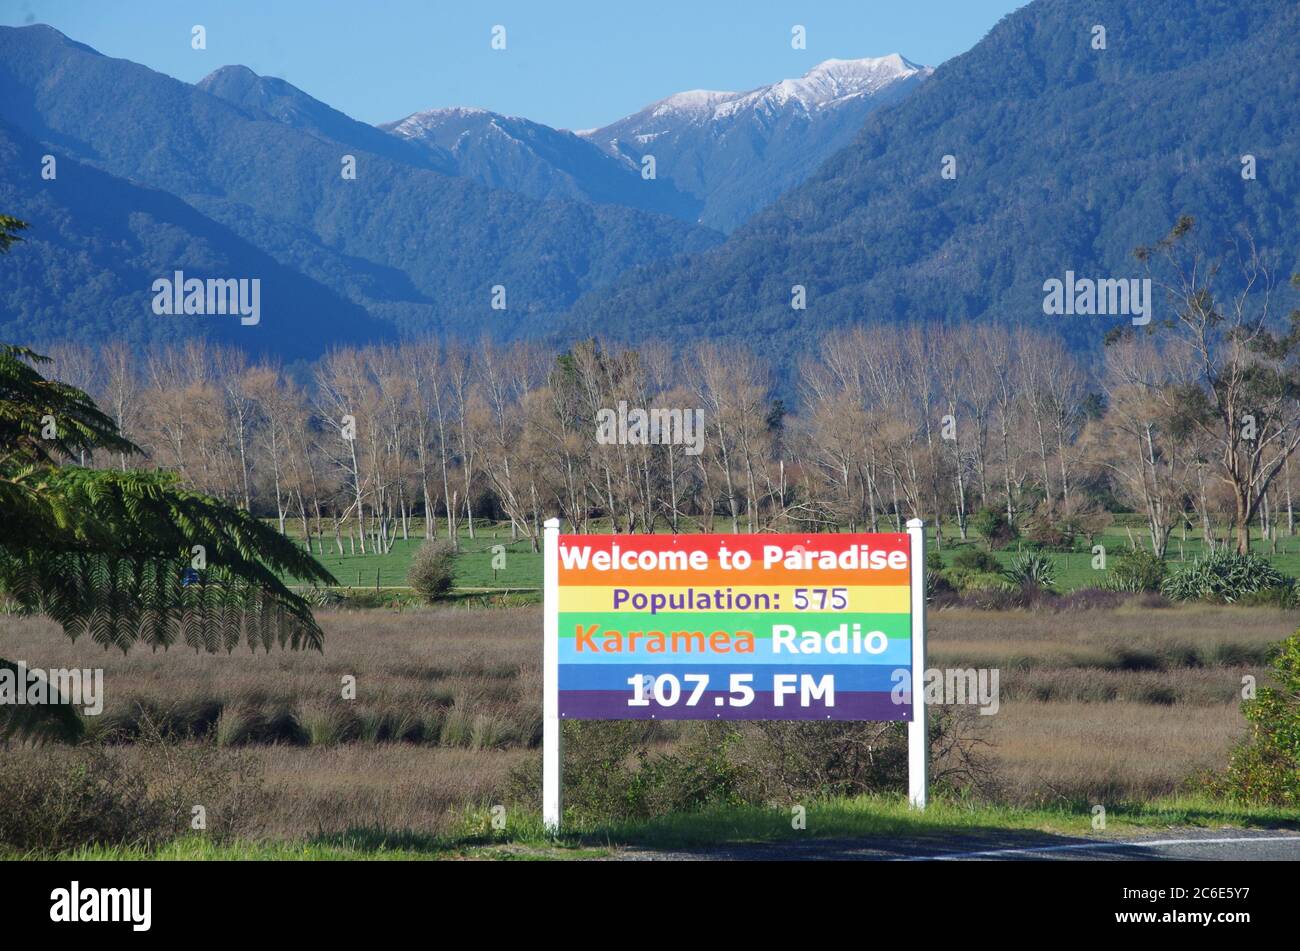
<point x="1181" y="844"/>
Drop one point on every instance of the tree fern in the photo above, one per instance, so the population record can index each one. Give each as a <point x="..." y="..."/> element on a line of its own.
<point x="104" y="552"/>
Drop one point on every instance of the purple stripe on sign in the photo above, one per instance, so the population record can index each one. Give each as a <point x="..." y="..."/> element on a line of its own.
<point x="713" y="705"/>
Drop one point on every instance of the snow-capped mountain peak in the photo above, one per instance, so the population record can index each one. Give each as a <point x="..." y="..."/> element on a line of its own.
<point x="824" y="86"/>
<point x="836" y="79"/>
<point x="701" y="102"/>
<point x="739" y="150"/>
<point x="419" y="124"/>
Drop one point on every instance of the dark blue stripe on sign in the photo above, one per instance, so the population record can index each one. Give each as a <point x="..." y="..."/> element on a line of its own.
<point x="613" y="705"/>
<point x="873" y="678"/>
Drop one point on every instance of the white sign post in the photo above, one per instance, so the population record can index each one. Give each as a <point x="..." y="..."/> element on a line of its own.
<point x="552" y="748"/>
<point x="918" y="743"/>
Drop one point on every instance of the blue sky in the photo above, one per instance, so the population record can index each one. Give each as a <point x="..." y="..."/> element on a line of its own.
<point x="570" y="64"/>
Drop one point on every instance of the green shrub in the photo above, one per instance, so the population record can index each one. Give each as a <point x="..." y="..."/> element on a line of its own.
<point x="993" y="525"/>
<point x="432" y="569"/>
<point x="54" y="801"/>
<point x="1266" y="768"/>
<point x="613" y="771"/>
<point x="794" y="760"/>
<point x="1135" y="571"/>
<point x="434" y="719"/>
<point x="611" y="775"/>
<point x="488" y="731"/>
<point x="984" y="581"/>
<point x="938" y="586"/>
<point x="62" y="802"/>
<point x="975" y="560"/>
<point x="936" y="580"/>
<point x="1043" y="534"/>
<point x="390" y="724"/>
<point x="1224" y="577"/>
<point x="974" y="569"/>
<point x="323" y="597"/>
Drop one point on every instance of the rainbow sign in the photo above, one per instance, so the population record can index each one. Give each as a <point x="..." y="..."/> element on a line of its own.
<point x="734" y="627"/>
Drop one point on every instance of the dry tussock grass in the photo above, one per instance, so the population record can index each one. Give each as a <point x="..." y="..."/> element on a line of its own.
<point x="388" y="786"/>
<point x="1099" y="704"/>
<point x="1098" y="638"/>
<point x="1108" y="752"/>
<point x="305" y="793"/>
<point x="476" y="669"/>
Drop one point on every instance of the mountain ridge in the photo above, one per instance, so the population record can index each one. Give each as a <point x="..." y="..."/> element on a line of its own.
<point x="1066" y="157"/>
<point x="862" y="75"/>
<point x="418" y="249"/>
<point x="520" y="155"/>
<point x="280" y="100"/>
<point x="104" y="240"/>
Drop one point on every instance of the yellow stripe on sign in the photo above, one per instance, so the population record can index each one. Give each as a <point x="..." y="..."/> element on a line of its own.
<point x="862" y="599"/>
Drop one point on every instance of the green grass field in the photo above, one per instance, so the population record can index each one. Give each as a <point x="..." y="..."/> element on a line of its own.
<point x="523" y="567"/>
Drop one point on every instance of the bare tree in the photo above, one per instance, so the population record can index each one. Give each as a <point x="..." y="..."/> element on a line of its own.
<point x="1242" y="380"/>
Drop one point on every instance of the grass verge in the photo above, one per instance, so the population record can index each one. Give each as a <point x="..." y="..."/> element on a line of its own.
<point x="868" y="818"/>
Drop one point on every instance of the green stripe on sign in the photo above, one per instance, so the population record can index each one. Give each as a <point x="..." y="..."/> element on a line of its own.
<point x="759" y="624"/>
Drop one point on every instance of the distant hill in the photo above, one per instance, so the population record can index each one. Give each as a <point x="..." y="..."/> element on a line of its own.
<point x="418" y="249"/>
<point x="1067" y="157"/>
<point x="271" y="98"/>
<point x="536" y="160"/>
<point x="738" y="151"/>
<point x="84" y="269"/>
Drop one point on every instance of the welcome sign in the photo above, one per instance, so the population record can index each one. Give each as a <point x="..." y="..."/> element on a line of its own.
<point x="733" y="627"/>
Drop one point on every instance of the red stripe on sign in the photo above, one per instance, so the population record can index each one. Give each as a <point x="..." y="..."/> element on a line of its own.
<point x="753" y="544"/>
<point x="843" y="559"/>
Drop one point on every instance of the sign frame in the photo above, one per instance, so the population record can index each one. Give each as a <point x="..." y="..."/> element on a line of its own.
<point x="552" y="735"/>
